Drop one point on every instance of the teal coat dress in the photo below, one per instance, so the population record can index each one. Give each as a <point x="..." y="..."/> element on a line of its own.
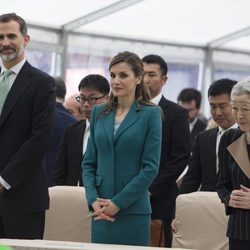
<point x="121" y="167"/>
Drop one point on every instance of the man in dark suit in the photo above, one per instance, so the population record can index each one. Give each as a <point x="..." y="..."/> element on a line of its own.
<point x="93" y="89"/>
<point x="203" y="162"/>
<point x="26" y="125"/>
<point x="175" y="145"/>
<point x="190" y="99"/>
<point x="63" y="119"/>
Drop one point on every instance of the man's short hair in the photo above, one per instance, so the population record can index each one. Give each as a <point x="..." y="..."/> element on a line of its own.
<point x="5" y="18"/>
<point x="95" y="81"/>
<point x="221" y="86"/>
<point x="189" y="94"/>
<point x="155" y="59"/>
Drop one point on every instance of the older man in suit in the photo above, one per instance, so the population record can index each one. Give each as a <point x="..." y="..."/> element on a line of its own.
<point x="175" y="149"/>
<point x="73" y="107"/>
<point x="93" y="89"/>
<point x="203" y="162"/>
<point x="26" y="125"/>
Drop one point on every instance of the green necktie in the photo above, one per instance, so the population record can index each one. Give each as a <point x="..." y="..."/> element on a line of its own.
<point x="4" y="87"/>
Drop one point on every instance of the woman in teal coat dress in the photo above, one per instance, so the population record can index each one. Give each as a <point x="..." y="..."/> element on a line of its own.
<point x="122" y="157"/>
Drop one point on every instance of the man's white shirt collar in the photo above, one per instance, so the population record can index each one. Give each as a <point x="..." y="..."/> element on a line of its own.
<point x="156" y="99"/>
<point x="222" y="130"/>
<point x="15" y="68"/>
<point x="191" y="124"/>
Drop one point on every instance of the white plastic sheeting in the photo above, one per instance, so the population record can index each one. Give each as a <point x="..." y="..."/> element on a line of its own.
<point x="192" y="22"/>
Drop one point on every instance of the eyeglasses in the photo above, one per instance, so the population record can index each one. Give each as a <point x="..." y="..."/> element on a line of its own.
<point x="90" y="100"/>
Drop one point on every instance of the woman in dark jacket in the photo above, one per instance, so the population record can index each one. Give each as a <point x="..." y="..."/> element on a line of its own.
<point x="233" y="180"/>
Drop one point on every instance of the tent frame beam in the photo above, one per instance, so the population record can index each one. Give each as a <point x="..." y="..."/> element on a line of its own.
<point x="208" y="64"/>
<point x="98" y="14"/>
<point x="216" y="43"/>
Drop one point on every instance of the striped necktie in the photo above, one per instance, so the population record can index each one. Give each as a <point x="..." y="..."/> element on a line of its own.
<point x="4" y="87"/>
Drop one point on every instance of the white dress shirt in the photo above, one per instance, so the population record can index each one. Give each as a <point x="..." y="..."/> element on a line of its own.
<point x="86" y="136"/>
<point x="156" y="99"/>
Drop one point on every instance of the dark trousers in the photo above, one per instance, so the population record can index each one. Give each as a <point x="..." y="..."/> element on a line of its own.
<point x="22" y="225"/>
<point x="157" y="214"/>
<point x="239" y="244"/>
<point x="168" y="233"/>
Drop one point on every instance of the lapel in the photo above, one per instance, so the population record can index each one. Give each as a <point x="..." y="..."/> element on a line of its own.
<point x="211" y="146"/>
<point x="211" y="141"/>
<point x="76" y="138"/>
<point x="128" y="121"/>
<point x="238" y="150"/>
<point x="79" y="134"/>
<point x="21" y="82"/>
<point x="196" y="129"/>
<point x="108" y="124"/>
<point x="163" y="103"/>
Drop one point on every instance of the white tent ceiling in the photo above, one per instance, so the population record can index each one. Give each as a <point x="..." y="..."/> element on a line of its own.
<point x="223" y="23"/>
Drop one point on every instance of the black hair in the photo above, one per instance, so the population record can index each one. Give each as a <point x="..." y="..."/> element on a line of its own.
<point x="221" y="86"/>
<point x="95" y="81"/>
<point x="189" y="94"/>
<point x="155" y="59"/>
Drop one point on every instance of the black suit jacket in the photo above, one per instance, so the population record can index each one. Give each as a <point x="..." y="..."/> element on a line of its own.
<point x="198" y="127"/>
<point x="233" y="168"/>
<point x="26" y="125"/>
<point x="174" y="158"/>
<point x="202" y="165"/>
<point x="67" y="168"/>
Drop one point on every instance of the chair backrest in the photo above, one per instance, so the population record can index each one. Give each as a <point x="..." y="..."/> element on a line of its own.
<point x="201" y="222"/>
<point x="67" y="218"/>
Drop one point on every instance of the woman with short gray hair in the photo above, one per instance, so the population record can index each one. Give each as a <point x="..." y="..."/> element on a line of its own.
<point x="233" y="180"/>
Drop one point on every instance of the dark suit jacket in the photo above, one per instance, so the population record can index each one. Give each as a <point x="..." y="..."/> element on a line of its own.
<point x="26" y="125"/>
<point x="198" y="127"/>
<point x="234" y="170"/>
<point x="67" y="168"/>
<point x="202" y="165"/>
<point x="63" y="119"/>
<point x="175" y="153"/>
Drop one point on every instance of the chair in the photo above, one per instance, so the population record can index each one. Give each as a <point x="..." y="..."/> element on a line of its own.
<point x="67" y="219"/>
<point x="201" y="222"/>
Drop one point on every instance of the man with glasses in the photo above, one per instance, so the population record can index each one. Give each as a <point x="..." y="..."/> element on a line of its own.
<point x="94" y="89"/>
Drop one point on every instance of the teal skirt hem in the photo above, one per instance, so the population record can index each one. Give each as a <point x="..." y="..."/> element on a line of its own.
<point x="127" y="229"/>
